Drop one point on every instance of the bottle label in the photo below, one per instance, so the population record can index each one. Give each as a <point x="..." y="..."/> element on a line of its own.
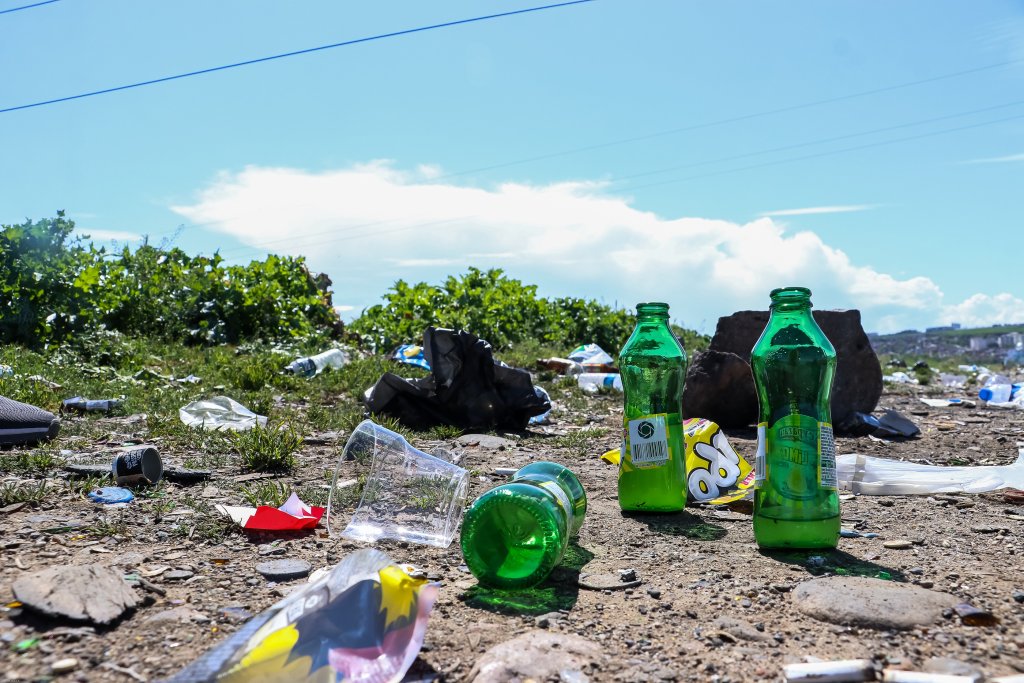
<point x="646" y="442"/>
<point x="798" y="454"/>
<point x="561" y="498"/>
<point x="760" y="467"/>
<point x="828" y="476"/>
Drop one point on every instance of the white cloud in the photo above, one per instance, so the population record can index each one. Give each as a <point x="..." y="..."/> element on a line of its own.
<point x="982" y="310"/>
<point x="101" y="235"/>
<point x="1010" y="158"/>
<point x="815" y="210"/>
<point x="372" y="224"/>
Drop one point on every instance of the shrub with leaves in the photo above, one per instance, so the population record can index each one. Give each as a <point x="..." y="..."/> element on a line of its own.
<point x="54" y="287"/>
<point x="501" y="310"/>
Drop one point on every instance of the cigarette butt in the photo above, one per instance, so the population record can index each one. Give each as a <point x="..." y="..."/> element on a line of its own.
<point x="897" y="676"/>
<point x="843" y="671"/>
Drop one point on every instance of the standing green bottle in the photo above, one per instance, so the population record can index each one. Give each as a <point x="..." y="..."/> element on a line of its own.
<point x="515" y="534"/>
<point x="796" y="504"/>
<point x="652" y="469"/>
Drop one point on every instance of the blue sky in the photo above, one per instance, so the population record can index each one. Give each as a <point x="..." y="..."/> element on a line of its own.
<point x="539" y="143"/>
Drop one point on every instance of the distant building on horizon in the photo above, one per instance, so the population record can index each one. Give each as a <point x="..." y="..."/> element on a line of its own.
<point x="945" y="328"/>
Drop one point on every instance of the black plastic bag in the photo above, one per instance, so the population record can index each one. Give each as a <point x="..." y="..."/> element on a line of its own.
<point x="467" y="388"/>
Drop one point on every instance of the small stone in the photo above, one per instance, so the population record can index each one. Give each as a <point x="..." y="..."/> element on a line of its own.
<point x="860" y="601"/>
<point x="267" y="550"/>
<point x="178" y="575"/>
<point x="284" y="570"/>
<point x="984" y="529"/>
<point x="952" y="667"/>
<point x="900" y="544"/>
<point x="916" y="570"/>
<point x="487" y="441"/>
<point x="1018" y="596"/>
<point x="627" y="575"/>
<point x="537" y="655"/>
<point x="604" y="582"/>
<point x="654" y="593"/>
<point x="782" y="587"/>
<point x="63" y="666"/>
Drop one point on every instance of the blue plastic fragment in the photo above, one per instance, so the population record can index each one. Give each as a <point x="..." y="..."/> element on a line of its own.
<point x="109" y="495"/>
<point x="849" y="533"/>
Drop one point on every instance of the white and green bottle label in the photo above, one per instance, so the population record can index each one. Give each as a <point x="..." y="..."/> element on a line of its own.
<point x="798" y="455"/>
<point x="646" y="443"/>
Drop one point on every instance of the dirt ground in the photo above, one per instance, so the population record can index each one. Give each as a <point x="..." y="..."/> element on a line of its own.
<point x="695" y="566"/>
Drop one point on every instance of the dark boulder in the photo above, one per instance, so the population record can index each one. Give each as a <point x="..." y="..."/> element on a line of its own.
<point x="719" y="387"/>
<point x="857" y="386"/>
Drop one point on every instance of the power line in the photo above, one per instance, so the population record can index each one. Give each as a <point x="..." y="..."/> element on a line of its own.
<point x="819" y="141"/>
<point x="17" y="9"/>
<point x="733" y="119"/>
<point x="294" y="53"/>
<point x="831" y="152"/>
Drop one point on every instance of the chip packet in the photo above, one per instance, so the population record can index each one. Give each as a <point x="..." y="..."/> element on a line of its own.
<point x="363" y="621"/>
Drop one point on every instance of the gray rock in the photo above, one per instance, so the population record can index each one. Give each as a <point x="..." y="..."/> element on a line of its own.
<point x="539" y="656"/>
<point x="720" y="387"/>
<point x="63" y="666"/>
<point x="858" y="382"/>
<point x="79" y="592"/>
<point x="739" y="629"/>
<point x="182" y="614"/>
<point x="871" y="603"/>
<point x="178" y="575"/>
<point x="487" y="441"/>
<point x="284" y="570"/>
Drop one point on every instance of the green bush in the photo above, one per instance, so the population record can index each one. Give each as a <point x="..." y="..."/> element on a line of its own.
<point x="54" y="288"/>
<point x="501" y="310"/>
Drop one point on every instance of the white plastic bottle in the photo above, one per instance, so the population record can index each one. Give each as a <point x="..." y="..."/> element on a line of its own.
<point x="314" y="365"/>
<point x="592" y="382"/>
<point x="999" y="393"/>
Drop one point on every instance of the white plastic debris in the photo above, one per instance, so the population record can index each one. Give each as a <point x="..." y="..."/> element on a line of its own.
<point x="868" y="475"/>
<point x="899" y="378"/>
<point x="220" y="413"/>
<point x="898" y="676"/>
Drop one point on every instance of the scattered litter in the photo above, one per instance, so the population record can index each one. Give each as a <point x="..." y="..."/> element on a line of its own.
<point x="39" y="379"/>
<point x="894" y="423"/>
<point x="84" y="405"/>
<point x="952" y="381"/>
<point x="859" y="424"/>
<point x="314" y="365"/>
<point x="411" y="354"/>
<point x="189" y="379"/>
<point x="868" y="475"/>
<point x="111" y="495"/>
<point x="590" y="355"/>
<point x="816" y="561"/>
<point x="607" y="582"/>
<point x="6" y="370"/>
<point x="466" y="388"/>
<point x="220" y="413"/>
<point x="899" y="378"/>
<point x="563" y="366"/>
<point x="842" y="671"/>
<point x="947" y="402"/>
<point x="138" y="465"/>
<point x="592" y="382"/>
<point x="365" y="620"/>
<point x="544" y="396"/>
<point x="292" y="516"/>
<point x="1003" y="395"/>
<point x="900" y="676"/>
<point x="972" y="616"/>
<point x="408" y="496"/>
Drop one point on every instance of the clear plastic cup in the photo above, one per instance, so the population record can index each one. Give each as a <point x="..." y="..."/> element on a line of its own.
<point x="409" y="495"/>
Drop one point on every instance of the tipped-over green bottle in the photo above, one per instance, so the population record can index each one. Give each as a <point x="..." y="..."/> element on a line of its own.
<point x="796" y="504"/>
<point x="516" y="533"/>
<point x="652" y="469"/>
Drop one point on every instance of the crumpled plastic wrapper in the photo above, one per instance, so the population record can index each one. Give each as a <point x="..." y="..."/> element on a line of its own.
<point x="364" y="621"/>
<point x="220" y="413"/>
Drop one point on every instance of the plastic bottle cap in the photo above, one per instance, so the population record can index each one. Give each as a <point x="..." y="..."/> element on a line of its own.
<point x="985" y="394"/>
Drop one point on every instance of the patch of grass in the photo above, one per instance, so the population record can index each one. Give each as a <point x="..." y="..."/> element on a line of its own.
<point x="581" y="442"/>
<point x="445" y="432"/>
<point x="81" y="487"/>
<point x="33" y="492"/>
<point x="347" y="497"/>
<point x="272" y="493"/>
<point x="267" y="449"/>
<point x="207" y="524"/>
<point x="109" y="526"/>
<point x="31" y="462"/>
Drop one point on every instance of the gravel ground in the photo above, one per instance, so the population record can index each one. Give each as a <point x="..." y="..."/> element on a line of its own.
<point x="710" y="606"/>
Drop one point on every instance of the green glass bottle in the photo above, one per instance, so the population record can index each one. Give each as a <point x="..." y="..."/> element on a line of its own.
<point x="516" y="533"/>
<point x="795" y="504"/>
<point x="652" y="469"/>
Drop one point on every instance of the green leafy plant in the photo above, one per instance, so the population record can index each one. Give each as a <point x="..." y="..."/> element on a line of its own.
<point x="269" y="493"/>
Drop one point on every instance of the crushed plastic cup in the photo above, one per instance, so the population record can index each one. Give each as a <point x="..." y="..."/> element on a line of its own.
<point x="220" y="413"/>
<point x="408" y="496"/>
